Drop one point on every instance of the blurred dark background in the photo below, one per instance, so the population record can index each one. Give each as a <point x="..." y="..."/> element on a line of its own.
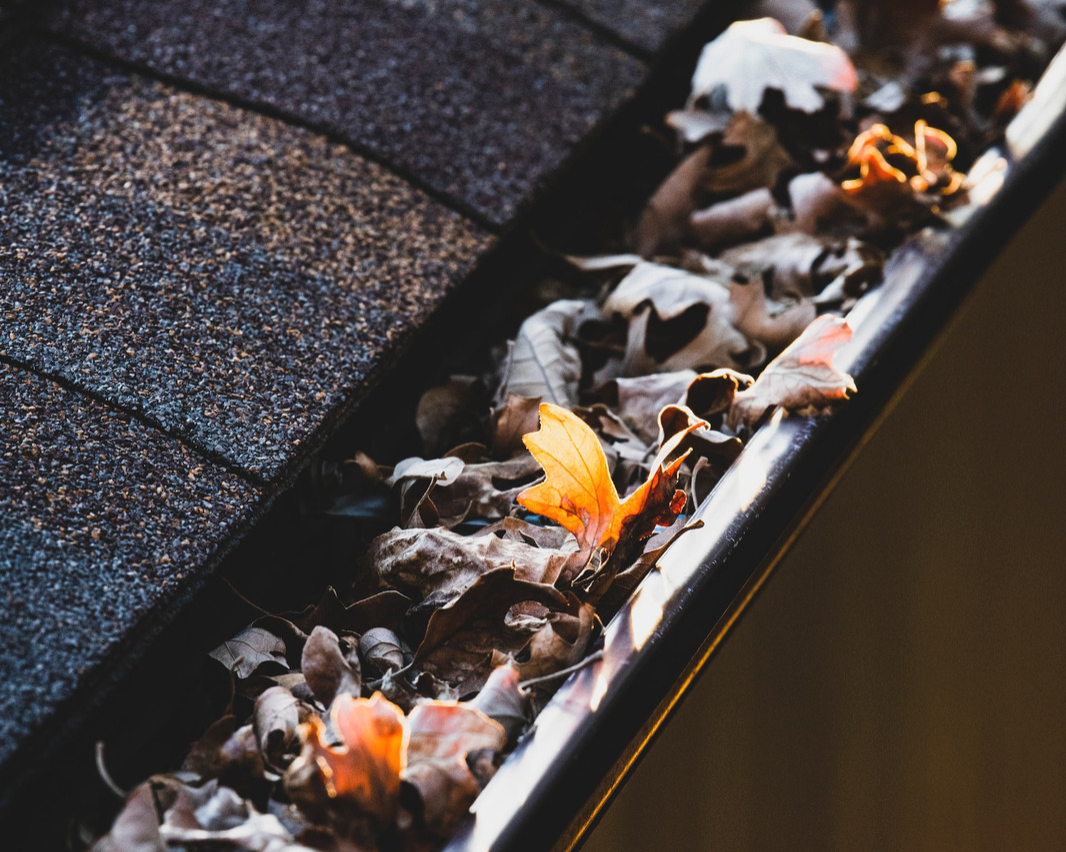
<point x="900" y="684"/>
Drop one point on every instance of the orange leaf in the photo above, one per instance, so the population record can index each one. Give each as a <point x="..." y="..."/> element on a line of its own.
<point x="366" y="767"/>
<point x="578" y="492"/>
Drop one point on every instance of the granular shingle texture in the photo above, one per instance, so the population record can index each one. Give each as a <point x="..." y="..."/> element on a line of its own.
<point x="481" y="100"/>
<point x="232" y="277"/>
<point x="101" y="518"/>
<point x="645" y="24"/>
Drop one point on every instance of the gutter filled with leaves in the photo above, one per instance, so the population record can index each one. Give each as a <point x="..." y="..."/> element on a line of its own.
<point x="684" y="396"/>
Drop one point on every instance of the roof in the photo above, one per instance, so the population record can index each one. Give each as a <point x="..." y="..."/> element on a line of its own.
<point x="220" y="223"/>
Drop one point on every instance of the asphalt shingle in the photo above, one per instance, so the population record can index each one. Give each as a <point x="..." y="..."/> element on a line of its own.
<point x="101" y="520"/>
<point x="232" y="278"/>
<point x="480" y="100"/>
<point x="647" y="25"/>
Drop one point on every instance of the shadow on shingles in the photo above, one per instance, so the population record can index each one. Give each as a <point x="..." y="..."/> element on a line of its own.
<point x="40" y="92"/>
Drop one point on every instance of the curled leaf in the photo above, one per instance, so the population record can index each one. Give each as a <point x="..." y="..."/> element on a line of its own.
<point x="770" y="323"/>
<point x="442" y="408"/>
<point x="664" y="222"/>
<point x="558" y="644"/>
<point x="329" y="671"/>
<point x="381" y="648"/>
<point x="136" y="828"/>
<point x="654" y="298"/>
<point x="733" y="220"/>
<point x="438" y="565"/>
<point x="277" y="716"/>
<point x="890" y="165"/>
<point x="515" y="418"/>
<point x="750" y="157"/>
<point x="638" y="400"/>
<point x="490" y="595"/>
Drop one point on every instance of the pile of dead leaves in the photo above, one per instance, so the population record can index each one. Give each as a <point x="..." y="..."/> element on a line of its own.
<point x="549" y="484"/>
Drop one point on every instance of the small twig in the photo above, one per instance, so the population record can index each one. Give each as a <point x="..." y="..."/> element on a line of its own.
<point x="233" y="678"/>
<point x="535" y="681"/>
<point x="105" y="776"/>
<point x="376" y="683"/>
<point x="243" y="599"/>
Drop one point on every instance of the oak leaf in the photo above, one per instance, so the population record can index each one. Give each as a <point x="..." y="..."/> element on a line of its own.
<point x="578" y="492"/>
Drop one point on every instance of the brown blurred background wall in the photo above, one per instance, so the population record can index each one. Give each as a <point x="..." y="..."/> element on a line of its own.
<point x="901" y="682"/>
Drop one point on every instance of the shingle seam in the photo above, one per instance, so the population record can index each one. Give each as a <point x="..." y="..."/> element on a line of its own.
<point x="598" y="29"/>
<point x="213" y="456"/>
<point x="446" y="199"/>
<point x="91" y="692"/>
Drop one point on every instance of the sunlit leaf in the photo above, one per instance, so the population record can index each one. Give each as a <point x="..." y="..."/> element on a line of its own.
<point x="366" y="767"/>
<point x="578" y="492"/>
<point x="751" y="56"/>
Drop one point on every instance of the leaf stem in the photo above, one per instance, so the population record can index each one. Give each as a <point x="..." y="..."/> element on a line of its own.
<point x="105" y="776"/>
<point x="535" y="681"/>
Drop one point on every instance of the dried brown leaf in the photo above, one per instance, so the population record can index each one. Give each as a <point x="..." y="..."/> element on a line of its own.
<point x="802" y="376"/>
<point x="517" y="416"/>
<point x="203" y="756"/>
<point x="789" y="258"/>
<point x="441" y="409"/>
<point x="697" y="438"/>
<point x="558" y="644"/>
<point x="709" y="394"/>
<point x="733" y="220"/>
<point x="330" y="670"/>
<point x="543" y="363"/>
<point x="749" y="157"/>
<point x="695" y="125"/>
<point x="382" y="648"/>
<point x="461" y="638"/>
<point x="485" y="491"/>
<point x="664" y="222"/>
<point x="639" y="399"/>
<point x="668" y="294"/>
<point x="438" y="565"/>
<point x="249" y="650"/>
<point x="226" y="820"/>
<point x="439" y="737"/>
<point x="276" y="718"/>
<point x="136" y="828"/>
<point x="501" y="699"/>
<point x="772" y="324"/>
<point x="816" y="201"/>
